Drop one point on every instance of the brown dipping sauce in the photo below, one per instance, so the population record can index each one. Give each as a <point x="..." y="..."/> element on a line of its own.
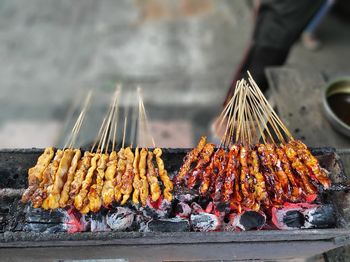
<point x="340" y="105"/>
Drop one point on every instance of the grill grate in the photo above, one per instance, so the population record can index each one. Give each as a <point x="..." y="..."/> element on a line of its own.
<point x="13" y="169"/>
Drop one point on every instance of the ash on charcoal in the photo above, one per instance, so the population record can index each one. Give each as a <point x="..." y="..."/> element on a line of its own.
<point x="16" y="219"/>
<point x="204" y="222"/>
<point x="9" y="208"/>
<point x="175" y="224"/>
<point x="303" y="215"/>
<point x="140" y="223"/>
<point x="320" y="217"/>
<point x="120" y="219"/>
<point x="85" y="221"/>
<point x="183" y="194"/>
<point x="98" y="223"/>
<point x="45" y="228"/>
<point x="248" y="220"/>
<point x="38" y="215"/>
<point x="183" y="210"/>
<point x="294" y="219"/>
<point x="3" y="221"/>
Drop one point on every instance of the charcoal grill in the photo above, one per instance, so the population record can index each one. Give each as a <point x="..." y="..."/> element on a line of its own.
<point x="173" y="246"/>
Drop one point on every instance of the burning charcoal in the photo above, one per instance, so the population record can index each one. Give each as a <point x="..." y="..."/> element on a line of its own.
<point x="183" y="210"/>
<point x="196" y="208"/>
<point x="175" y="224"/>
<point x="120" y="219"/>
<point x="303" y="215"/>
<point x="203" y="201"/>
<point x="205" y="222"/>
<point x="247" y="220"/>
<point x="218" y="209"/>
<point x="159" y="209"/>
<point x="98" y="223"/>
<point x="41" y="220"/>
<point x="76" y="221"/>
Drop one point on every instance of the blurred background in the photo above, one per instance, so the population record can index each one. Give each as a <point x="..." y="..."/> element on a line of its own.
<point x="183" y="53"/>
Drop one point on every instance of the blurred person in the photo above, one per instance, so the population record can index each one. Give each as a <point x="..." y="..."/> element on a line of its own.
<point x="308" y="37"/>
<point x="278" y="25"/>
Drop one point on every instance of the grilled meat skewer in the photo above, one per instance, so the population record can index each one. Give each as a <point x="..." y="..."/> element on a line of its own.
<point x="137" y="183"/>
<point x="94" y="195"/>
<point x="152" y="178"/>
<point x="71" y="172"/>
<point x="35" y="174"/>
<point x="316" y="172"/>
<point x="163" y="174"/>
<point x="127" y="178"/>
<point x="108" y="187"/>
<point x="144" y="190"/>
<point x="120" y="173"/>
<point x="190" y="158"/>
<point x="204" y="159"/>
<point x="60" y="178"/>
<point x="231" y="173"/>
<point x="42" y="191"/>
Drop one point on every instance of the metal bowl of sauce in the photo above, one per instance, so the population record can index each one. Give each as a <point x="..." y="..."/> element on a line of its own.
<point x="336" y="102"/>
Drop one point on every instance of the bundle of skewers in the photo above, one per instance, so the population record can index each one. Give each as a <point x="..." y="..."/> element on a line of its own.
<point x="258" y="165"/>
<point x="67" y="178"/>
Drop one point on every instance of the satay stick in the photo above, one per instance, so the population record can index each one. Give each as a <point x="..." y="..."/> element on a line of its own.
<point x="239" y="132"/>
<point x="107" y="133"/>
<point x="124" y="131"/>
<point x="98" y="135"/>
<point x="228" y="116"/>
<point x="82" y="116"/>
<point x="270" y="118"/>
<point x="267" y="114"/>
<point x="233" y="120"/>
<point x="134" y="124"/>
<point x="113" y="125"/>
<point x="256" y="120"/>
<point x="261" y="117"/>
<point x="225" y="114"/>
<point x="274" y="114"/>
<point x="76" y="128"/>
<point x="228" y="107"/>
<point x="146" y="134"/>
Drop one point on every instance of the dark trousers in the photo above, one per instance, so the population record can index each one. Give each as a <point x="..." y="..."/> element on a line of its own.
<point x="278" y="25"/>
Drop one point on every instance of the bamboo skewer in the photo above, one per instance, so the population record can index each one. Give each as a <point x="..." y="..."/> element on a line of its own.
<point x="250" y="118"/>
<point x="76" y="128"/>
